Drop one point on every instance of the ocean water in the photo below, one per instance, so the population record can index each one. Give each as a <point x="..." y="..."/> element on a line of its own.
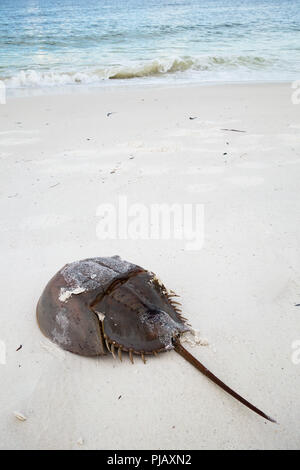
<point x="48" y="43"/>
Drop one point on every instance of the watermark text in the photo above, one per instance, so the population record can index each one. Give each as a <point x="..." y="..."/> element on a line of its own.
<point x="2" y="353"/>
<point x="139" y="221"/>
<point x="296" y="353"/>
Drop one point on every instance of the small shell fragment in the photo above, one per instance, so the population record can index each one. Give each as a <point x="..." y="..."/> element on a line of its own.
<point x="20" y="416"/>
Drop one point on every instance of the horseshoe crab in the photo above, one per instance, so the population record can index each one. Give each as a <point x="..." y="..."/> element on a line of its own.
<point x="107" y="305"/>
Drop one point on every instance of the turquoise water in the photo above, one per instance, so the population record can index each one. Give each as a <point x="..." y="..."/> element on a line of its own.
<point x="64" y="42"/>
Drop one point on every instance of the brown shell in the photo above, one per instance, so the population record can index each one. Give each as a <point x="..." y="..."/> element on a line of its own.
<point x="98" y="305"/>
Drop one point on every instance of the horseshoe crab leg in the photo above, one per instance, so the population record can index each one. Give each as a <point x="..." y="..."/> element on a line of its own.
<point x="192" y="360"/>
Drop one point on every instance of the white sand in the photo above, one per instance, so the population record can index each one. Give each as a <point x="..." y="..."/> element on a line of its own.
<point x="240" y="290"/>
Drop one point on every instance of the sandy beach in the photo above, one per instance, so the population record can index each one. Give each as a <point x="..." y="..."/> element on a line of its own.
<point x="63" y="155"/>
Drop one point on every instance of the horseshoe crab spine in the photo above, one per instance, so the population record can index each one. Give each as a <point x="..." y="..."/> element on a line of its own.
<point x="192" y="360"/>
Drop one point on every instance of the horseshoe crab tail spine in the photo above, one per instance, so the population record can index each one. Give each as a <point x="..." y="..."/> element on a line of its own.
<point x="192" y="360"/>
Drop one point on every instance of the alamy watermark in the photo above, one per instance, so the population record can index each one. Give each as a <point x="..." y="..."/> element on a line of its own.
<point x="296" y="94"/>
<point x="296" y="353"/>
<point x="139" y="221"/>
<point x="2" y="92"/>
<point x="2" y="353"/>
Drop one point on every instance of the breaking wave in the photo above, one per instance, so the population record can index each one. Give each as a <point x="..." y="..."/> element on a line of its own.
<point x="154" y="68"/>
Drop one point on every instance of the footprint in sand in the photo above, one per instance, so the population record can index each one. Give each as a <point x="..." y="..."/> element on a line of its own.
<point x="211" y="170"/>
<point x="45" y="221"/>
<point x="253" y="165"/>
<point x="206" y="170"/>
<point x="77" y="153"/>
<point x="8" y="138"/>
<point x="201" y="188"/>
<point x="246" y="181"/>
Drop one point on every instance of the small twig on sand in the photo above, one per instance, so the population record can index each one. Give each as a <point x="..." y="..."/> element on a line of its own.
<point x="232" y="130"/>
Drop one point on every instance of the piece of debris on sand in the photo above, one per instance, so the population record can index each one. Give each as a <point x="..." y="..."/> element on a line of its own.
<point x="20" y="416"/>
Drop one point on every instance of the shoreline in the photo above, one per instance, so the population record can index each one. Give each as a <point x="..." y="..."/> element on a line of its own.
<point x="111" y="85"/>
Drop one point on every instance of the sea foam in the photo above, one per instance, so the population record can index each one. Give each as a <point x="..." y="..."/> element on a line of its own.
<point x="143" y="69"/>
